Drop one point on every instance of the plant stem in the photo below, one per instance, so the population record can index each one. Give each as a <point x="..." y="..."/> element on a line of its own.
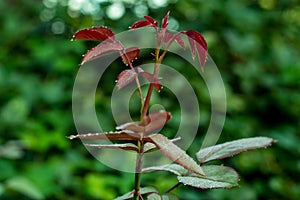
<point x="149" y="93"/>
<point x="173" y="187"/>
<point x="138" y="170"/>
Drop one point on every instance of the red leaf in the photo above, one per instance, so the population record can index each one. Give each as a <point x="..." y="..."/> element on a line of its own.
<point x="193" y="47"/>
<point x="157" y="120"/>
<point x="140" y="24"/>
<point x="132" y="126"/>
<point x="102" y="49"/>
<point x="151" y="20"/>
<point x="177" y="38"/>
<point x="150" y="77"/>
<point x="154" y="121"/>
<point x="118" y="135"/>
<point x="168" y="37"/>
<point x="99" y="33"/>
<point x="130" y="55"/>
<point x="197" y="42"/>
<point x="125" y="77"/>
<point x="165" y="21"/>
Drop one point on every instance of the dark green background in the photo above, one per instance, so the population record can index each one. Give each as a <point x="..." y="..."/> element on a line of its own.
<point x="255" y="44"/>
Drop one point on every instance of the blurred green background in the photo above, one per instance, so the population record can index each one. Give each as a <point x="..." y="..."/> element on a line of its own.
<point x="255" y="44"/>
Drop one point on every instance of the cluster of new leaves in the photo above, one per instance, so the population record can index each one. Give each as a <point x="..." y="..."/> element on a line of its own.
<point x="188" y="171"/>
<point x="111" y="45"/>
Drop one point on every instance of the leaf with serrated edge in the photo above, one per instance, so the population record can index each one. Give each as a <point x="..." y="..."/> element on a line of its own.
<point x="149" y="146"/>
<point x="216" y="177"/>
<point x="118" y="135"/>
<point x="144" y="190"/>
<point x="173" y="168"/>
<point x="127" y="146"/>
<point x="98" y="33"/>
<point x="102" y="49"/>
<point x="228" y="149"/>
<point x="125" y="77"/>
<point x="130" y="55"/>
<point x="176" y="154"/>
<point x="197" y="43"/>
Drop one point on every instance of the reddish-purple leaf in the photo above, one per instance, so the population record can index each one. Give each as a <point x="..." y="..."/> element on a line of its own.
<point x="179" y="40"/>
<point x="130" y="55"/>
<point x="157" y="120"/>
<point x="102" y="49"/>
<point x="197" y="43"/>
<point x="99" y="33"/>
<point x="140" y="24"/>
<point x="193" y="46"/>
<point x="119" y="135"/>
<point x="154" y="121"/>
<point x="151" y="20"/>
<point x="125" y="77"/>
<point x="197" y="37"/>
<point x="132" y="126"/>
<point x="154" y="80"/>
<point x="168" y="37"/>
<point x="202" y="54"/>
<point x="165" y="21"/>
<point x="126" y="146"/>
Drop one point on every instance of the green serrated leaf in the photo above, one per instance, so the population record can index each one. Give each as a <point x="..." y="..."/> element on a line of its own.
<point x="232" y="148"/>
<point x="173" y="168"/>
<point x="144" y="190"/>
<point x="176" y="154"/>
<point x="216" y="177"/>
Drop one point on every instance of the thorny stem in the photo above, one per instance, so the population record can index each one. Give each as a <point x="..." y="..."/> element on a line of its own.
<point x="138" y="170"/>
<point x="145" y="105"/>
<point x="149" y="93"/>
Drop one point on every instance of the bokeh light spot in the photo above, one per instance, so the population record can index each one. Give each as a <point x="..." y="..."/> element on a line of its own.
<point x="115" y="11"/>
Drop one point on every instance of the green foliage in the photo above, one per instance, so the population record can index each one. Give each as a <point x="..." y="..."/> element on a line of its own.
<point x="254" y="43"/>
